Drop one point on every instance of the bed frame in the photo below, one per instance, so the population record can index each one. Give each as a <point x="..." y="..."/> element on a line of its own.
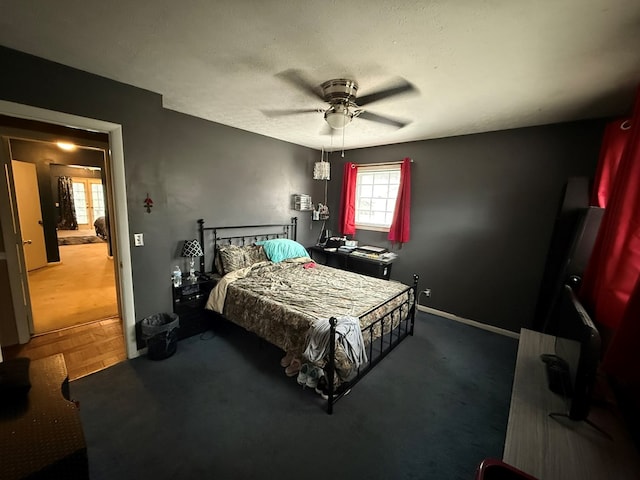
<point x="210" y="237"/>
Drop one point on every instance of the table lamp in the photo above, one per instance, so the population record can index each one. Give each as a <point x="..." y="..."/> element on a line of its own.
<point x="192" y="249"/>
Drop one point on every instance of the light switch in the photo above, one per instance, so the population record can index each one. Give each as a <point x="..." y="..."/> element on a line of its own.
<point x="138" y="239"/>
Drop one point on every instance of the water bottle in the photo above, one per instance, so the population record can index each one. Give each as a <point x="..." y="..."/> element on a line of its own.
<point x="177" y="276"/>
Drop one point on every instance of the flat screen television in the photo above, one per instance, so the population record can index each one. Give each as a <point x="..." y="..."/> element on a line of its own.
<point x="572" y="368"/>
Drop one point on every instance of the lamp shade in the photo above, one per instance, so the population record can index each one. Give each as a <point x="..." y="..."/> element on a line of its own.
<point x="322" y="171"/>
<point x="192" y="248"/>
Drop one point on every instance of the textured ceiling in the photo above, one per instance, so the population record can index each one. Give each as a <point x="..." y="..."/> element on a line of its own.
<point x="478" y="65"/>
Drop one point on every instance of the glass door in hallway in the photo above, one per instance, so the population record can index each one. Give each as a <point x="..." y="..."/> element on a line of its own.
<point x="88" y="195"/>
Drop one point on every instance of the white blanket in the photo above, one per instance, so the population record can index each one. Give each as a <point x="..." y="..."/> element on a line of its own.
<point x="348" y="334"/>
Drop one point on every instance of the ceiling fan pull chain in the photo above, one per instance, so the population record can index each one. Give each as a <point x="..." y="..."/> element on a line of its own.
<point x="343" y="142"/>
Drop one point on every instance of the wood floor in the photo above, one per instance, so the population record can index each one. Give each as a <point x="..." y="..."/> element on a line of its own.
<point x="86" y="348"/>
<point x="79" y="289"/>
<point x="74" y="304"/>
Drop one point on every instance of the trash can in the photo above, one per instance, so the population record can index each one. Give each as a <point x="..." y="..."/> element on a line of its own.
<point x="160" y="331"/>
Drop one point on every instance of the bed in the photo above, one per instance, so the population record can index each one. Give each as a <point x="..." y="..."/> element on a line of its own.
<point x="285" y="300"/>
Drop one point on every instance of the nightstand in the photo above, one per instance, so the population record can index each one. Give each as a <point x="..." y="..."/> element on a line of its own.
<point x="189" y="300"/>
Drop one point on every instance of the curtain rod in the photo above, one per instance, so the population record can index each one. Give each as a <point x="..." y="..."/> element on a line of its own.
<point x="382" y="164"/>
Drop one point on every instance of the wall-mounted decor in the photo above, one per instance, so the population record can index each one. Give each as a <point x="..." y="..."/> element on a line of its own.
<point x="321" y="212"/>
<point x="302" y="202"/>
<point x="148" y="203"/>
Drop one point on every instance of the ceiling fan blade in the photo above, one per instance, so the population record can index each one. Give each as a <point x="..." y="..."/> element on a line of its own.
<point x="295" y="78"/>
<point x="401" y="87"/>
<point x="294" y="111"/>
<point x="374" y="117"/>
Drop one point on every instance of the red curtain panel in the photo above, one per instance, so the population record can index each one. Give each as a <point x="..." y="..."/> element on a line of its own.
<point x="615" y="139"/>
<point x="400" y="229"/>
<point x="615" y="262"/>
<point x="348" y="199"/>
<point x="623" y="355"/>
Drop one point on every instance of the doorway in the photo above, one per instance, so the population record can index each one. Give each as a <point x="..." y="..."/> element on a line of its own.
<point x="75" y="283"/>
<point x="120" y="241"/>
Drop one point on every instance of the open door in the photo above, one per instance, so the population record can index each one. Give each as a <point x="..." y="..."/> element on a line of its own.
<point x="12" y="237"/>
<point x="25" y="180"/>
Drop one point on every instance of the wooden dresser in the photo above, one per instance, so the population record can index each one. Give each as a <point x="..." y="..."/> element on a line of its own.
<point x="43" y="437"/>
<point x="561" y="449"/>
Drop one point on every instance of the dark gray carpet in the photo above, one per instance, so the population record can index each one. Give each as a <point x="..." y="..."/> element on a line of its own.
<point x="222" y="408"/>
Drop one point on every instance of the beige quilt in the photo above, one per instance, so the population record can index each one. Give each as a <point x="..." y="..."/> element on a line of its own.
<point x="279" y="302"/>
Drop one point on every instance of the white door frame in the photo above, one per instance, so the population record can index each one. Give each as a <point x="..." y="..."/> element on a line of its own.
<point x="121" y="216"/>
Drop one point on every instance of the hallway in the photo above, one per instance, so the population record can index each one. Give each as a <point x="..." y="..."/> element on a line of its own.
<point x="80" y="289"/>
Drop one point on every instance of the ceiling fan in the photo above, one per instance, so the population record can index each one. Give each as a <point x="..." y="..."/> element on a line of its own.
<point x="344" y="105"/>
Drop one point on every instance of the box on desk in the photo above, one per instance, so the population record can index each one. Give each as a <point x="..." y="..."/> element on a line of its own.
<point x="335" y="242"/>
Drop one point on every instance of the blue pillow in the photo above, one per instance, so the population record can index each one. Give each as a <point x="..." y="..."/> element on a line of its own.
<point x="279" y="249"/>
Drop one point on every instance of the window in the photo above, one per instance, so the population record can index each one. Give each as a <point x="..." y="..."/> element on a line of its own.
<point x="80" y="202"/>
<point x="376" y="192"/>
<point x="97" y="199"/>
<point x="88" y="197"/>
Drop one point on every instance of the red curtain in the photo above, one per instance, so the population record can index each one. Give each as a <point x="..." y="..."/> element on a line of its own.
<point x="400" y="226"/>
<point x="615" y="262"/>
<point x="348" y="199"/>
<point x="615" y="139"/>
<point x="623" y="355"/>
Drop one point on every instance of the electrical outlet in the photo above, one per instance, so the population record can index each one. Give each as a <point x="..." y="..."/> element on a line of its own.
<point x="138" y="239"/>
<point x="427" y="292"/>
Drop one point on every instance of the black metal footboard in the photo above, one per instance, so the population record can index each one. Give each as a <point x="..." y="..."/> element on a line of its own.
<point x="378" y="348"/>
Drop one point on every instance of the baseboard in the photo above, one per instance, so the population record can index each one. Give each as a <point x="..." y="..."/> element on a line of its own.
<point x="51" y="264"/>
<point x="472" y="323"/>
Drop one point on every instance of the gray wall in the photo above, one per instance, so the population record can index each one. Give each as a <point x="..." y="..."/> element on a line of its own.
<point x="191" y="168"/>
<point x="483" y="211"/>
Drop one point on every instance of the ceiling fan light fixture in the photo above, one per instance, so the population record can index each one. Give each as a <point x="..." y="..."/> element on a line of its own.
<point x="338" y="119"/>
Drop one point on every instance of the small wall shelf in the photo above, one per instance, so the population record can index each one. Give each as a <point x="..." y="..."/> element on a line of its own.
<point x="301" y="202"/>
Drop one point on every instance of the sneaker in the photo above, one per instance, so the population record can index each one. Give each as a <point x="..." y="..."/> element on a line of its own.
<point x="303" y="374"/>
<point x="314" y="374"/>
<point x="322" y="388"/>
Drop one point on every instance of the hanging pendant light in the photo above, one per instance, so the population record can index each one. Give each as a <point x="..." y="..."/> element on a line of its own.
<point x="322" y="169"/>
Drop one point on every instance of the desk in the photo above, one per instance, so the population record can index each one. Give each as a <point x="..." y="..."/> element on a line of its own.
<point x="551" y="449"/>
<point x="44" y="438"/>
<point x="373" y="267"/>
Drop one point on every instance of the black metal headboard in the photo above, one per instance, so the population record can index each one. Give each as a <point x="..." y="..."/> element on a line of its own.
<point x="234" y="235"/>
